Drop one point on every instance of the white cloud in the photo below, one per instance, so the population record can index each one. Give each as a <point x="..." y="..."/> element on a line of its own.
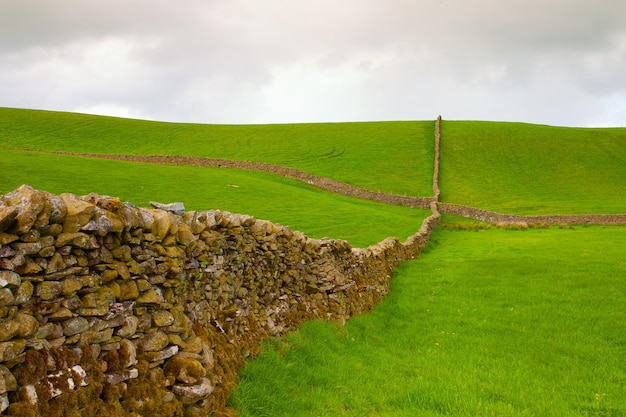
<point x="241" y="61"/>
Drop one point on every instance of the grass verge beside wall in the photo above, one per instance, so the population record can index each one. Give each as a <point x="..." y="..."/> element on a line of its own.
<point x="492" y="322"/>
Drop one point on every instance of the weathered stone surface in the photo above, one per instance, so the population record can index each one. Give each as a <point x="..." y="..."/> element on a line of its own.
<point x="6" y="297"/>
<point x="8" y="215"/>
<point x="176" y="208"/>
<point x="10" y="350"/>
<point x="49" y="290"/>
<point x="153" y="342"/>
<point x="8" y="330"/>
<point x="75" y="326"/>
<point x="29" y="203"/>
<point x="184" y="369"/>
<point x="24" y="293"/>
<point x="162" y="318"/>
<point x="7" y="380"/>
<point x="129" y="327"/>
<point x="151" y="296"/>
<point x="78" y="214"/>
<point x="194" y="392"/>
<point x="28" y="324"/>
<point x="9" y="279"/>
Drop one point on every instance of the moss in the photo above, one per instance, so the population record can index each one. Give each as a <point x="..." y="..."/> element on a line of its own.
<point x="33" y="369"/>
<point x="146" y="396"/>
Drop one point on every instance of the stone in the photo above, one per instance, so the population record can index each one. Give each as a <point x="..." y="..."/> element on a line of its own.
<point x="75" y="325"/>
<point x="29" y="202"/>
<point x="9" y="279"/>
<point x="26" y="248"/>
<point x="24" y="293"/>
<point x="8" y="330"/>
<point x="71" y="285"/>
<point x="128" y="290"/>
<point x="162" y="224"/>
<point x="129" y="327"/>
<point x="89" y="337"/>
<point x="152" y="296"/>
<point x="61" y="314"/>
<point x="6" y="297"/>
<point x="176" y="208"/>
<point x="127" y="353"/>
<point x="49" y="290"/>
<point x="153" y="342"/>
<point x="103" y="298"/>
<point x="6" y="238"/>
<point x="194" y="392"/>
<point x="7" y="380"/>
<point x="55" y="264"/>
<point x="10" y="350"/>
<point x="115" y="379"/>
<point x="8" y="216"/>
<point x="184" y="369"/>
<point x="4" y="402"/>
<point x="79" y="213"/>
<point x="162" y="318"/>
<point x="28" y="324"/>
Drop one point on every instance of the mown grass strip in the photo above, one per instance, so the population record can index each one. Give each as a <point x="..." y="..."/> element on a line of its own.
<point x="521" y="168"/>
<point x="290" y="202"/>
<point x="494" y="322"/>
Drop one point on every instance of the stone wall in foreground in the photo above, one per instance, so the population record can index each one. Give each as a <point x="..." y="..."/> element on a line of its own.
<point x="112" y="310"/>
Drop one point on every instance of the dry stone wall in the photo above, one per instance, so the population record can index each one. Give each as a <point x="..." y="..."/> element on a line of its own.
<point x="113" y="310"/>
<point x="556" y="219"/>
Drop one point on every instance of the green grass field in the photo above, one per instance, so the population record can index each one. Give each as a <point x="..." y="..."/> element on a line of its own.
<point x="521" y="168"/>
<point x="490" y="323"/>
<point x="391" y="157"/>
<point x="485" y="323"/>
<point x="266" y="196"/>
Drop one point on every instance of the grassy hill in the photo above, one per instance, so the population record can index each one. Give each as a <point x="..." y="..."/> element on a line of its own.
<point x="484" y="323"/>
<point x="530" y="169"/>
<point x="391" y="157"/>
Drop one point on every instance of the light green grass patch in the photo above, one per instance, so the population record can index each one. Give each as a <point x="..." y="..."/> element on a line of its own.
<point x="489" y="323"/>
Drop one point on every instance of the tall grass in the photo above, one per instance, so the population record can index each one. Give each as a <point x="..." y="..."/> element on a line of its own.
<point x="392" y="157"/>
<point x="532" y="169"/>
<point x="488" y="323"/>
<point x="315" y="212"/>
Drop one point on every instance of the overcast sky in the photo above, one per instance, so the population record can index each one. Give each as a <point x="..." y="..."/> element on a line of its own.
<point x="559" y="62"/>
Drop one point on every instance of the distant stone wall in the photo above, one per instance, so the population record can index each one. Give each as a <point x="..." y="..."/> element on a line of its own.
<point x="112" y="310"/>
<point x="493" y="217"/>
<point x="327" y="184"/>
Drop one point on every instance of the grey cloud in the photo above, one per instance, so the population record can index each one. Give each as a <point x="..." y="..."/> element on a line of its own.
<point x="559" y="62"/>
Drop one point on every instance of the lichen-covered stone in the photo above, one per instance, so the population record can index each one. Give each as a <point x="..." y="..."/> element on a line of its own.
<point x="9" y="279"/>
<point x="153" y="342"/>
<point x="75" y="326"/>
<point x="129" y="327"/>
<point x="162" y="318"/>
<point x="6" y="297"/>
<point x="184" y="369"/>
<point x="151" y="296"/>
<point x="28" y="324"/>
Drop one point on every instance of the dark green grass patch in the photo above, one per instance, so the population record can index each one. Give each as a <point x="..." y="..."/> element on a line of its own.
<point x="532" y="169"/>
<point x="488" y="323"/>
<point x="392" y="157"/>
<point x="315" y="212"/>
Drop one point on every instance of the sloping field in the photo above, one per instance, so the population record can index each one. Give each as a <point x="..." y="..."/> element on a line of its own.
<point x="390" y="157"/>
<point x="266" y="196"/>
<point x="530" y="169"/>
